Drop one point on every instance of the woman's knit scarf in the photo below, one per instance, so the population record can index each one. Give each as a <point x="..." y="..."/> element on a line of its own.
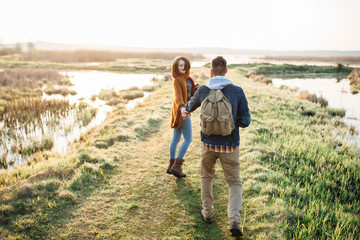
<point x="182" y="76"/>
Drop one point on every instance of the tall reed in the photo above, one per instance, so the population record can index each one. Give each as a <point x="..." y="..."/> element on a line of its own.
<point x="31" y="78"/>
<point x="354" y="78"/>
<point x="28" y="111"/>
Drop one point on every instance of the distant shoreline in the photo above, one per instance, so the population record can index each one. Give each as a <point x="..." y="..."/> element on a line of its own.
<point x="334" y="59"/>
<point x="41" y="45"/>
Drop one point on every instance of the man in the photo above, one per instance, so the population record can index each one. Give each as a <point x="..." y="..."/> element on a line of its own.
<point x="226" y="148"/>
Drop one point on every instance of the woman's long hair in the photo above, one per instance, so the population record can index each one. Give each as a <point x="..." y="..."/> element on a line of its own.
<point x="175" y="66"/>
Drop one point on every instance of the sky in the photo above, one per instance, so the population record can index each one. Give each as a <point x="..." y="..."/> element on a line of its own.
<point x="238" y="24"/>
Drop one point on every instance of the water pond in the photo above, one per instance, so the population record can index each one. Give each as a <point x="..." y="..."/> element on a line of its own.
<point x="336" y="92"/>
<point x="68" y="128"/>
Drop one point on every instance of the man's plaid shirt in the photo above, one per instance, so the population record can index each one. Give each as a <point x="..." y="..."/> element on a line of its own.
<point x="219" y="148"/>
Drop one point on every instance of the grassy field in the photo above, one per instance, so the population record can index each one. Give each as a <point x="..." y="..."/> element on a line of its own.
<point x="126" y="62"/>
<point x="299" y="181"/>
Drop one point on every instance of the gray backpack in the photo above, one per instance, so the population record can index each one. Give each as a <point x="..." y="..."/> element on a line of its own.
<point x="216" y="114"/>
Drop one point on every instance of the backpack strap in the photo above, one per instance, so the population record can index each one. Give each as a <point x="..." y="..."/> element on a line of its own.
<point x="226" y="86"/>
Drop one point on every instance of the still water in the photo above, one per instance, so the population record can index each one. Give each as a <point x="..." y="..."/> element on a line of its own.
<point x="336" y="92"/>
<point x="68" y="129"/>
<point x="88" y="83"/>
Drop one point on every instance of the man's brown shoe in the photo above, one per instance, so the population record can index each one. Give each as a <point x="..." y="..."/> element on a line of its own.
<point x="235" y="230"/>
<point x="206" y="219"/>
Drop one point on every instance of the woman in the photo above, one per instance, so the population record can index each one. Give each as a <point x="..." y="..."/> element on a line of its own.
<point x="184" y="88"/>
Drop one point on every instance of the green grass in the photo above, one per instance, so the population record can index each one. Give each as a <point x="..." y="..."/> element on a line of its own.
<point x="10" y="93"/>
<point x="303" y="69"/>
<point x="62" y="91"/>
<point x="336" y="112"/>
<point x="133" y="65"/>
<point x="333" y="59"/>
<point x="298" y="71"/>
<point x="315" y="177"/>
<point x="299" y="182"/>
<point x="36" y="146"/>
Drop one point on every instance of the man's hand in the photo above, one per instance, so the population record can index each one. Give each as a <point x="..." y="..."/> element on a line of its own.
<point x="197" y="86"/>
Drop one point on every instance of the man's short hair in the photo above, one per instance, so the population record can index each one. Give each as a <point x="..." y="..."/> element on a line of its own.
<point x="218" y="66"/>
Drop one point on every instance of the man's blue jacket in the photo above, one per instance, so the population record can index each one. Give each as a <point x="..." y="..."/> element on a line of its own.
<point x="240" y="110"/>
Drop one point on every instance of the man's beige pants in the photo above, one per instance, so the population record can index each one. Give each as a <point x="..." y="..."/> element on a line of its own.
<point x="231" y="166"/>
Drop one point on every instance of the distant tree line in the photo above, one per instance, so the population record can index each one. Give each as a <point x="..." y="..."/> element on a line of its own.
<point x="86" y="55"/>
<point x="16" y="49"/>
<point x="83" y="55"/>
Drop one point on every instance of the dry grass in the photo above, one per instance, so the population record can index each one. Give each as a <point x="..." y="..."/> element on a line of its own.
<point x="29" y="110"/>
<point x="9" y="93"/>
<point x="31" y="78"/>
<point x="354" y="78"/>
<point x="20" y="83"/>
<point x="133" y="95"/>
<point x="305" y="95"/>
<point x="115" y="98"/>
<point x="59" y="90"/>
<point x="258" y="78"/>
<point x="352" y="130"/>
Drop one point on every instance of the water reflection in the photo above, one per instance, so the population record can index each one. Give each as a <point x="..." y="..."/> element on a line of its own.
<point x="89" y="83"/>
<point x="71" y="129"/>
<point x="131" y="104"/>
<point x="68" y="128"/>
<point x="336" y="92"/>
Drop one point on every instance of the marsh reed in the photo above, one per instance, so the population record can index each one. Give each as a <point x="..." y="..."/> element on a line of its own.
<point x="305" y="95"/>
<point x="354" y="78"/>
<point x="29" y="126"/>
<point x="28" y="111"/>
<point x="31" y="78"/>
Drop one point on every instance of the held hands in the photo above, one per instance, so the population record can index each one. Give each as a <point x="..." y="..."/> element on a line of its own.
<point x="197" y="86"/>
<point x="184" y="113"/>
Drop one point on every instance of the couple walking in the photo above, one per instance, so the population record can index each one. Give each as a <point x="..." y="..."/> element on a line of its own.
<point x="188" y="96"/>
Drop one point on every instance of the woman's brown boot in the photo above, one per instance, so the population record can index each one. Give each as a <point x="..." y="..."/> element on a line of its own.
<point x="176" y="168"/>
<point x="171" y="163"/>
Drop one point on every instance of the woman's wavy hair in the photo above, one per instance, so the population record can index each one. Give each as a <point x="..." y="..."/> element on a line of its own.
<point x="175" y="66"/>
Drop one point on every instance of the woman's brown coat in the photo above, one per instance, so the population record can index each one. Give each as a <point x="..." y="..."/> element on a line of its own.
<point x="180" y="98"/>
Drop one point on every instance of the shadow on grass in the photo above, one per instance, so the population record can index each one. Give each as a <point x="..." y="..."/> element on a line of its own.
<point x="190" y="197"/>
<point x="35" y="214"/>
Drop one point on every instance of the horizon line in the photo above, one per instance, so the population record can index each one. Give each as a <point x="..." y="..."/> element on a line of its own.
<point x="172" y="48"/>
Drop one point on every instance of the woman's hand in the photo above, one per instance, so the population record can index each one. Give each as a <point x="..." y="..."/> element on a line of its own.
<point x="184" y="113"/>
